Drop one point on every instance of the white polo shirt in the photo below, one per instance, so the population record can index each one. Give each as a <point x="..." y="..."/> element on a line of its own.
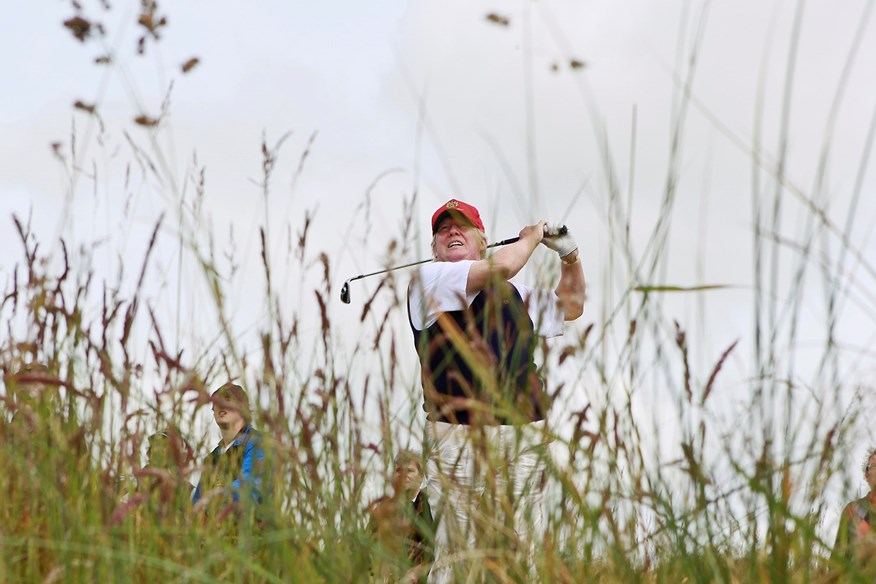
<point x="440" y="287"/>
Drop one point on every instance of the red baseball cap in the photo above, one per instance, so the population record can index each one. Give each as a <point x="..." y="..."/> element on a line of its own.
<point x="453" y="205"/>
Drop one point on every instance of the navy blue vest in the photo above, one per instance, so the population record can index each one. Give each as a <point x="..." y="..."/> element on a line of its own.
<point x="477" y="364"/>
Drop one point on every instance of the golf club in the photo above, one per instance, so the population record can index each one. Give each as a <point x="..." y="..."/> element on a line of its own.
<point x="345" y="289"/>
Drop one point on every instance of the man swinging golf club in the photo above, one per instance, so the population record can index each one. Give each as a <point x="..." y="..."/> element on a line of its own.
<point x="476" y="334"/>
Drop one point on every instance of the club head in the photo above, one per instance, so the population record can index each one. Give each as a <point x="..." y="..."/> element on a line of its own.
<point x="345" y="292"/>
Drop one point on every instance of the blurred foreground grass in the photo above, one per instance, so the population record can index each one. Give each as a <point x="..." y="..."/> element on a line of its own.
<point x="78" y="505"/>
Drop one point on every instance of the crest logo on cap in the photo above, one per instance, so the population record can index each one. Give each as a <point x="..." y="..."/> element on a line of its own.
<point x="452" y="204"/>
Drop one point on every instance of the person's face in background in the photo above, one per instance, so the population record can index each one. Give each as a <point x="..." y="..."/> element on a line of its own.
<point x="27" y="386"/>
<point x="408" y="478"/>
<point x="870" y="472"/>
<point x="33" y="402"/>
<point x="158" y="452"/>
<point x="225" y="414"/>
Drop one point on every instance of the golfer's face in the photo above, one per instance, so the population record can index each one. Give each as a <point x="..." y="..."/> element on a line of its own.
<point x="456" y="239"/>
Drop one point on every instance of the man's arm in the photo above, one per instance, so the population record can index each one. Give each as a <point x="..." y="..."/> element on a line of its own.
<point x="507" y="262"/>
<point x="571" y="290"/>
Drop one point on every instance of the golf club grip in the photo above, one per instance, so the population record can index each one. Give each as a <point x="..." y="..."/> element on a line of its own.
<point x="563" y="230"/>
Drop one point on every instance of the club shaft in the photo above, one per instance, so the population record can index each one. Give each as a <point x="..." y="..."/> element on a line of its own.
<point x="508" y="241"/>
<point x="378" y="272"/>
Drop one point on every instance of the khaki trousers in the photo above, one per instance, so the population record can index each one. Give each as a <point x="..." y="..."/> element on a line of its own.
<point x="486" y="486"/>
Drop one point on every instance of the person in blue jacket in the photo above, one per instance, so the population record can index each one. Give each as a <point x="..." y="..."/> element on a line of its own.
<point x="234" y="473"/>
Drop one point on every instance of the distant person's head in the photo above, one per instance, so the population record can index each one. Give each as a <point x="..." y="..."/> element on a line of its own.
<point x="408" y="475"/>
<point x="158" y="450"/>
<point x="870" y="468"/>
<point x="31" y="381"/>
<point x="167" y="448"/>
<point x="231" y="407"/>
<point x="458" y="233"/>
<point x="31" y="394"/>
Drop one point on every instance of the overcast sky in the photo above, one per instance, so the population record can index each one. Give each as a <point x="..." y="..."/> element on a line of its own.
<point x="539" y="112"/>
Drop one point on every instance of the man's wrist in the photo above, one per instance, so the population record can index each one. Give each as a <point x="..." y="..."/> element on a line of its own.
<point x="570" y="258"/>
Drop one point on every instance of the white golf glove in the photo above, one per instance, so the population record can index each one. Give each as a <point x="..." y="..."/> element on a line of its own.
<point x="563" y="244"/>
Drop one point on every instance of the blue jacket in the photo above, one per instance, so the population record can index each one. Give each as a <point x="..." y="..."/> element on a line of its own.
<point x="240" y="470"/>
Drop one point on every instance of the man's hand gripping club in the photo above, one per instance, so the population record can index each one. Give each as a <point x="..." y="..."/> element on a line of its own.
<point x="558" y="238"/>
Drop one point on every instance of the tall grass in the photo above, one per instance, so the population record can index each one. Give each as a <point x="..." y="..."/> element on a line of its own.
<point x="734" y="491"/>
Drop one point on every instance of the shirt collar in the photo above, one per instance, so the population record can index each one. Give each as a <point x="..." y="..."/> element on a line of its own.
<point x="238" y="440"/>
